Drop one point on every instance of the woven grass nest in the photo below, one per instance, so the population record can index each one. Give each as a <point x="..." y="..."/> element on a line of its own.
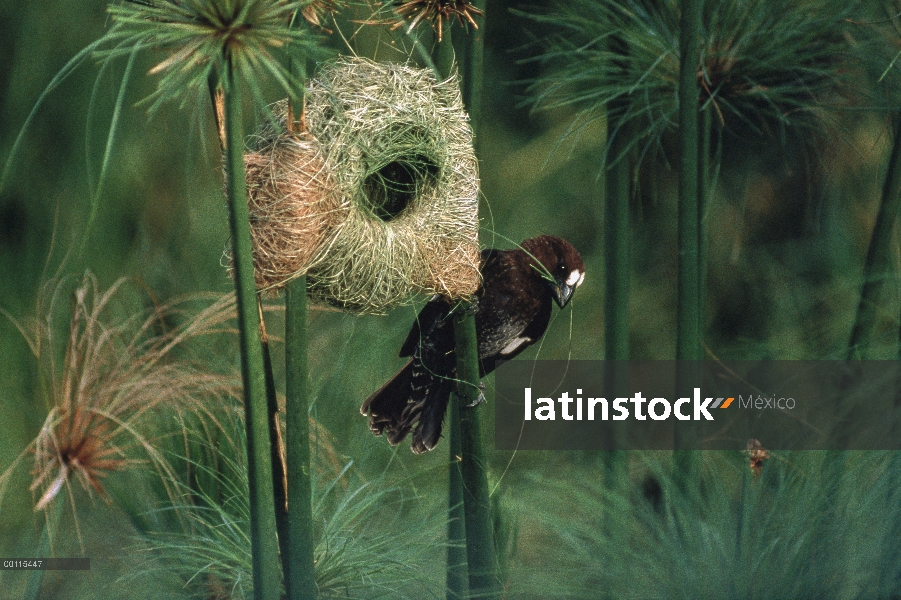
<point x="379" y="201"/>
<point x="292" y="204"/>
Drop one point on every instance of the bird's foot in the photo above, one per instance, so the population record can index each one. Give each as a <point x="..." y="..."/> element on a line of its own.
<point x="481" y="397"/>
<point x="463" y="309"/>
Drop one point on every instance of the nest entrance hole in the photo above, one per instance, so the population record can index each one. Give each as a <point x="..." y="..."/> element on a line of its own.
<point x="392" y="188"/>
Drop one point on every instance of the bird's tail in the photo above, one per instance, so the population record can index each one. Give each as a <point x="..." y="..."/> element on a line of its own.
<point x="407" y="399"/>
<point x="386" y="405"/>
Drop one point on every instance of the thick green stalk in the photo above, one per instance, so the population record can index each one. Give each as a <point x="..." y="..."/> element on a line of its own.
<point x="264" y="549"/>
<point x="688" y="329"/>
<point x="878" y="262"/>
<point x="688" y="316"/>
<point x="457" y="580"/>
<point x="300" y="574"/>
<point x="743" y="529"/>
<point x="472" y="73"/>
<point x="617" y="261"/>
<point x="616" y="250"/>
<point x="481" y="556"/>
<point x="704" y="193"/>
<point x="480" y="550"/>
<point x="297" y="550"/>
<point x="279" y="469"/>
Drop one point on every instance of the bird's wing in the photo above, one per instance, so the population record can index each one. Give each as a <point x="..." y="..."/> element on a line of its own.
<point x="514" y="307"/>
<point x="434" y="312"/>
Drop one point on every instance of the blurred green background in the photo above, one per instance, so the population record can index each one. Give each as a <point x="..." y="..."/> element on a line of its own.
<point x="787" y="242"/>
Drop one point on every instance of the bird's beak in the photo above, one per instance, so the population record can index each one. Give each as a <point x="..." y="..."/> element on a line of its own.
<point x="562" y="289"/>
<point x="562" y="293"/>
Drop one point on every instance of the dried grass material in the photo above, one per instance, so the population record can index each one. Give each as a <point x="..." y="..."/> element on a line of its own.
<point x="292" y="205"/>
<point x="398" y="148"/>
<point x="121" y="375"/>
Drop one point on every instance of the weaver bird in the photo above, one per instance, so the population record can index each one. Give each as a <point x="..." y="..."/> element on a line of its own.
<point x="512" y="310"/>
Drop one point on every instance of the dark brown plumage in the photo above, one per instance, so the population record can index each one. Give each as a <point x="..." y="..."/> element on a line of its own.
<point x="512" y="311"/>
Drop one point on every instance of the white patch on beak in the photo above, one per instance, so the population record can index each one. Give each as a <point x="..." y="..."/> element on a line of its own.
<point x="514" y="344"/>
<point x="575" y="279"/>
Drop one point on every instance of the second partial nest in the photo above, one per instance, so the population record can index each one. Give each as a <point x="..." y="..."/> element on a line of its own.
<point x="379" y="201"/>
<point x="293" y="206"/>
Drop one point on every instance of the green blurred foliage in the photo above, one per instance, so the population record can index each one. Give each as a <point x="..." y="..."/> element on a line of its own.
<point x="787" y="241"/>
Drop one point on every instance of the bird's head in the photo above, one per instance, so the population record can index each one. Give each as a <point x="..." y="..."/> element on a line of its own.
<point x="558" y="263"/>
